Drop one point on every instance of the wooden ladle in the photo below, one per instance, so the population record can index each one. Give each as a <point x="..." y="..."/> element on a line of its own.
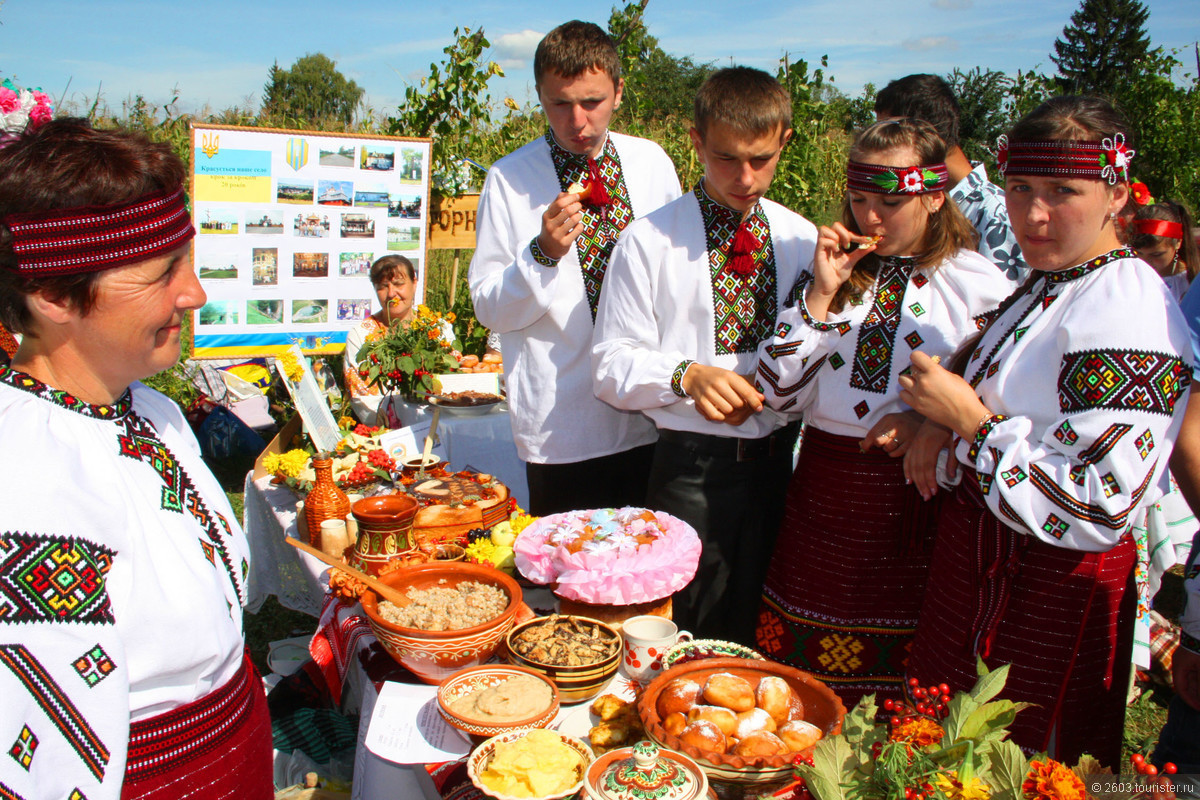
<point x="381" y="588"/>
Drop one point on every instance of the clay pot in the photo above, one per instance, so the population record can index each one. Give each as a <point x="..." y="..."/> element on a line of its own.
<point x="384" y="531"/>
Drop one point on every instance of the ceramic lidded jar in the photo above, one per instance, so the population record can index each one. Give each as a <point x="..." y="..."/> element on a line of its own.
<point x="384" y="531"/>
<point x="645" y="772"/>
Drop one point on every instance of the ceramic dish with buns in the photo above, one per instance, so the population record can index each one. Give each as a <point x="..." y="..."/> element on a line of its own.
<point x="743" y="720"/>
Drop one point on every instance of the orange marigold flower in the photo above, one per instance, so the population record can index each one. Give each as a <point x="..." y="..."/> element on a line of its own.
<point x="918" y="731"/>
<point x="1050" y="780"/>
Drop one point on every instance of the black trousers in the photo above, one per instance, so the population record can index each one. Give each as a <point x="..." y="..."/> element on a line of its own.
<point x="731" y="491"/>
<point x="611" y="481"/>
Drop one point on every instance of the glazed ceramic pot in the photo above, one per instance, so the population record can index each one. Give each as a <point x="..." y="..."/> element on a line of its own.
<point x="435" y="655"/>
<point x="575" y="684"/>
<point x="384" y="531"/>
<point x="645" y="772"/>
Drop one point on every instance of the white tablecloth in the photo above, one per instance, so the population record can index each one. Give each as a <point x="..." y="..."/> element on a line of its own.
<point x="483" y="443"/>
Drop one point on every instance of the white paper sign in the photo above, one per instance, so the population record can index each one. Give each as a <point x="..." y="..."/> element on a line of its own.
<point x="405" y="443"/>
<point x="314" y="411"/>
<point x="483" y="382"/>
<point x="407" y="728"/>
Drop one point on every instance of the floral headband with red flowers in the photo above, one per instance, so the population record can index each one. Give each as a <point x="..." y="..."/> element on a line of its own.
<point x="879" y="179"/>
<point x="1107" y="159"/>
<point x="72" y="241"/>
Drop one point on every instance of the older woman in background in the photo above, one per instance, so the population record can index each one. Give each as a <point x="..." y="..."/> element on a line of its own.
<point x="395" y="282"/>
<point x="122" y="567"/>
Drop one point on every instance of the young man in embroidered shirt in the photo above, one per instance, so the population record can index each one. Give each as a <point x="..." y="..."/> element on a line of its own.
<point x="691" y="291"/>
<point x="929" y="98"/>
<point x="540" y="259"/>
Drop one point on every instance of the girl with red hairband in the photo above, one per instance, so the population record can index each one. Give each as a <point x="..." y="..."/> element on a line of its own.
<point x="1072" y="400"/>
<point x="1162" y="236"/>
<point x="898" y="272"/>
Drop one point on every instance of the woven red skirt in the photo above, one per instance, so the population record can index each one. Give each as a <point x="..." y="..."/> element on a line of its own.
<point x="845" y="583"/>
<point x="1062" y="618"/>
<point x="216" y="747"/>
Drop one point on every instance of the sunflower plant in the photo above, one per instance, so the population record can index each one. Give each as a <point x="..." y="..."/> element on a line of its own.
<point x="407" y="358"/>
<point x="941" y="747"/>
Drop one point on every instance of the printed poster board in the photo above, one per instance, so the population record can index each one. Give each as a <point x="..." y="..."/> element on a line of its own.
<point x="288" y="224"/>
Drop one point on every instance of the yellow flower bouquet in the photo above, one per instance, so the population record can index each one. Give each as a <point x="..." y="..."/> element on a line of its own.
<point x="407" y="357"/>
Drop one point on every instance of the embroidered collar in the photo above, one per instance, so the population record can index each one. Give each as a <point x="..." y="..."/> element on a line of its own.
<point x="1088" y="267"/>
<point x="710" y="209"/>
<point x="579" y="158"/>
<point x="906" y="263"/>
<point x="28" y="383"/>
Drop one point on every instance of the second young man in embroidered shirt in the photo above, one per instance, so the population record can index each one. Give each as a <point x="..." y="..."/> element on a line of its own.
<point x="540" y="260"/>
<point x="691" y="291"/>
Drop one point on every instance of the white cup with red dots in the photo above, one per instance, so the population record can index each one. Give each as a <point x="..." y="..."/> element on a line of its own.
<point x="647" y="640"/>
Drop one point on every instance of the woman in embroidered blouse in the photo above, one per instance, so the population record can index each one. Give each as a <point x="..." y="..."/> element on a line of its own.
<point x="395" y="281"/>
<point x="1066" y="420"/>
<point x="114" y="537"/>
<point x="1162" y="235"/>
<point x="899" y="271"/>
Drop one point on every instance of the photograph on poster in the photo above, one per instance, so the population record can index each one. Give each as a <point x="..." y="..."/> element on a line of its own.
<point x="403" y="237"/>
<point x="377" y="157"/>
<point x="370" y="197"/>
<point x="310" y="265"/>
<point x="357" y="225"/>
<point x="412" y="169"/>
<point x="336" y="156"/>
<point x="218" y="272"/>
<point x="264" y="266"/>
<point x="219" y="312"/>
<point x="310" y="312"/>
<point x="404" y="206"/>
<point x="335" y="193"/>
<point x="219" y="220"/>
<point x="312" y="211"/>
<point x="269" y="221"/>
<point x="264" y="312"/>
<point x="311" y="225"/>
<point x="294" y="193"/>
<point x="356" y="309"/>
<point x="352" y="265"/>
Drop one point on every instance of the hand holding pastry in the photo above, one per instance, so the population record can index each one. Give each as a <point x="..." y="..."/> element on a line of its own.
<point x="561" y="225"/>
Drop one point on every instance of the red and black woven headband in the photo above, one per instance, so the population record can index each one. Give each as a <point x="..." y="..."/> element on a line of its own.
<point x="1107" y="159"/>
<point x="68" y="241"/>
<point x="880" y="179"/>
<point x="1159" y="227"/>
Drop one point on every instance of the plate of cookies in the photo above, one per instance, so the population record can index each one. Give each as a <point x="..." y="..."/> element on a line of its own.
<point x="743" y="720"/>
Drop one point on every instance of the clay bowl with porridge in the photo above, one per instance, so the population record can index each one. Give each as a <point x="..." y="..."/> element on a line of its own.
<point x="456" y="615"/>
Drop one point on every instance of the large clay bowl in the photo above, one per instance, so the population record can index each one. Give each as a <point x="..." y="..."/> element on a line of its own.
<point x="435" y="655"/>
<point x="475" y="679"/>
<point x="821" y="707"/>
<point x="575" y="684"/>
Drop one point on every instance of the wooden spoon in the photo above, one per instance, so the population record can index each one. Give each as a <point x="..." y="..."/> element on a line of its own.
<point x="437" y="413"/>
<point x="381" y="588"/>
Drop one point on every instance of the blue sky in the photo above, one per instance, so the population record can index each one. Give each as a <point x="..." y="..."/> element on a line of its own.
<point x="216" y="53"/>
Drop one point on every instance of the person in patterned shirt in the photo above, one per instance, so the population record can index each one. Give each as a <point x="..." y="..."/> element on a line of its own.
<point x="1070" y="405"/>
<point x="123" y="671"/>
<point x="548" y="218"/>
<point x="692" y="290"/>
<point x="844" y="587"/>
<point x="930" y="99"/>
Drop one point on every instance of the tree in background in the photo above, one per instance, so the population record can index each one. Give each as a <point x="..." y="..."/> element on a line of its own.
<point x="452" y="106"/>
<point x="312" y="91"/>
<point x="1103" y="42"/>
<point x="658" y="85"/>
<point x="984" y="114"/>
